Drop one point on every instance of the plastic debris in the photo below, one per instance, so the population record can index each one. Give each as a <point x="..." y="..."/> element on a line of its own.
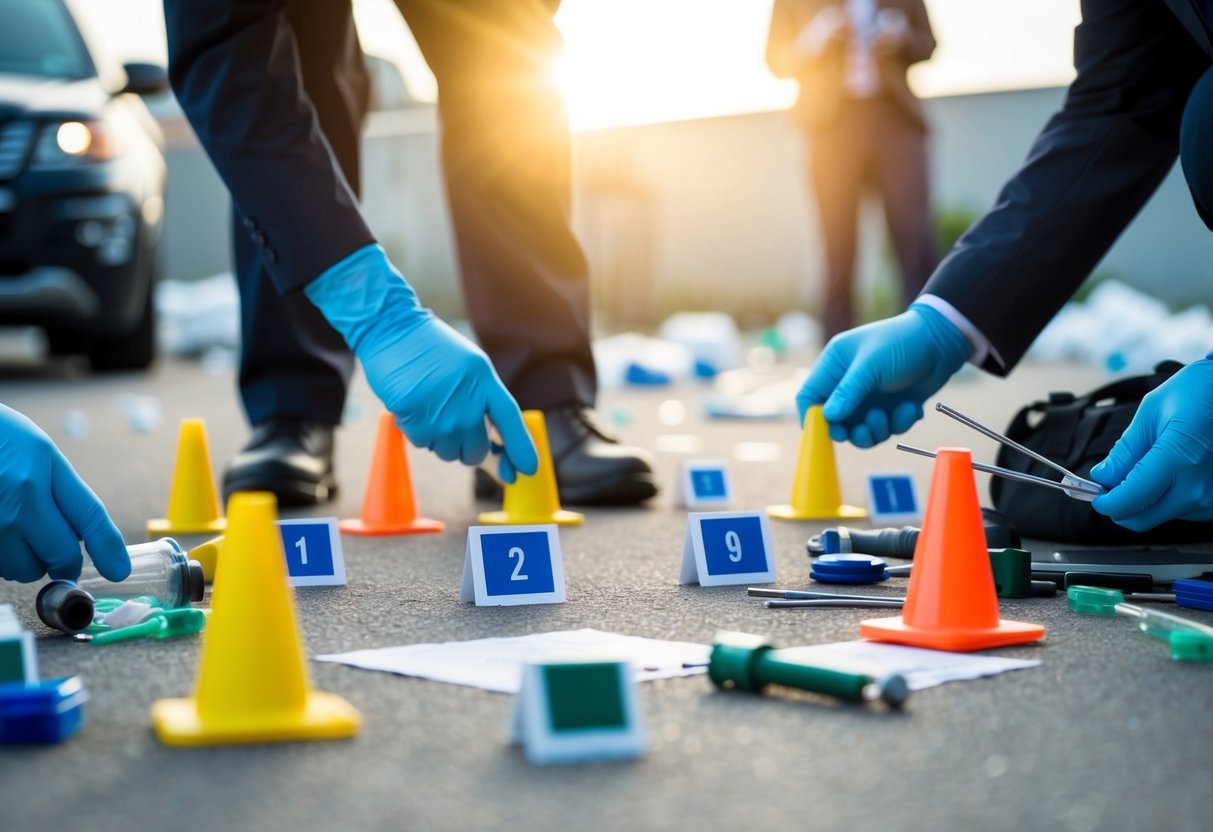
<point x="618" y="355"/>
<point x="75" y="424"/>
<point x="672" y="412"/>
<point x="711" y="337"/>
<point x="194" y="315"/>
<point x="619" y="416"/>
<point x="1122" y="329"/>
<point x="799" y="332"/>
<point x="142" y="412"/>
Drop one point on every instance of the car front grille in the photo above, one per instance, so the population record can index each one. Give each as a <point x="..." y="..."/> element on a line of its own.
<point x="15" y="140"/>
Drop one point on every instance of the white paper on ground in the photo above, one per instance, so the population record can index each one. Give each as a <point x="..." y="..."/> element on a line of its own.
<point x="921" y="668"/>
<point x="495" y="664"/>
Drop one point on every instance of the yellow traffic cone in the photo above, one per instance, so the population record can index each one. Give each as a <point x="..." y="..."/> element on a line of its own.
<point x="534" y="500"/>
<point x="815" y="493"/>
<point x="252" y="679"/>
<point x="193" y="502"/>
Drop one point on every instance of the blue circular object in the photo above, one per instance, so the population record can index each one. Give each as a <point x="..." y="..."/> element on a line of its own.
<point x="849" y="569"/>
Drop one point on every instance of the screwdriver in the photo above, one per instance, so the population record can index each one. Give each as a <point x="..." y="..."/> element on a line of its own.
<point x="162" y="624"/>
<point x="750" y="663"/>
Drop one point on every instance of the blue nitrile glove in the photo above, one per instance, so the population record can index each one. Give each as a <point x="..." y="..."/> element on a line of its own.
<point x="46" y="510"/>
<point x="874" y="379"/>
<point x="438" y="385"/>
<point x="1161" y="468"/>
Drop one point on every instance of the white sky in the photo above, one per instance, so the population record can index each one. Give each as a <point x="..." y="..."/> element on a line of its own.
<point x="635" y="61"/>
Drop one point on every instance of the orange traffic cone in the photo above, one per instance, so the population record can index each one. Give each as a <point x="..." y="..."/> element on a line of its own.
<point x="815" y="492"/>
<point x="534" y="500"/>
<point x="252" y="677"/>
<point x="951" y="602"/>
<point x="193" y="501"/>
<point x="390" y="505"/>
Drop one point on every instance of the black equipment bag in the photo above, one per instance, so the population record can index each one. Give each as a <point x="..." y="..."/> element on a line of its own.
<point x="1078" y="432"/>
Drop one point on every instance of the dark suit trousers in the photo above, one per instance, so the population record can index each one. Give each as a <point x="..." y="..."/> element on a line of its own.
<point x="506" y="161"/>
<point x="293" y="365"/>
<point x="873" y="145"/>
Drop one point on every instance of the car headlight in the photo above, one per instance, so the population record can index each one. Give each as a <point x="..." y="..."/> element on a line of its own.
<point x="69" y="143"/>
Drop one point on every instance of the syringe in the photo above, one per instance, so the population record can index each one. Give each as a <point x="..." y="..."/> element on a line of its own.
<point x="1189" y="640"/>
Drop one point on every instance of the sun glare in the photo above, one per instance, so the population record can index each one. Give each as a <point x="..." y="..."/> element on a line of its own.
<point x="639" y="61"/>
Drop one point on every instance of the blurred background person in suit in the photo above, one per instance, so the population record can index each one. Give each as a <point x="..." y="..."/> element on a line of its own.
<point x="866" y="130"/>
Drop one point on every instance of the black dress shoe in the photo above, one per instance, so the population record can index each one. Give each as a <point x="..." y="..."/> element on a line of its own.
<point x="592" y="468"/>
<point x="292" y="459"/>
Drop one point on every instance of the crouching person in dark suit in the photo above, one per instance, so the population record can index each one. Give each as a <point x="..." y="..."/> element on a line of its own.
<point x="277" y="91"/>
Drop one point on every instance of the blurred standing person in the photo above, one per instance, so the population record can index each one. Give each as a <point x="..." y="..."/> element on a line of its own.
<point x="866" y="129"/>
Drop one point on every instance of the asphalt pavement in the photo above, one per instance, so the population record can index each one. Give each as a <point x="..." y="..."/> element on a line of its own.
<point x="1109" y="733"/>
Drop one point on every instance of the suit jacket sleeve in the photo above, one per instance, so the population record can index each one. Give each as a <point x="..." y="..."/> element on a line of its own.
<point x="235" y="69"/>
<point x="1086" y="176"/>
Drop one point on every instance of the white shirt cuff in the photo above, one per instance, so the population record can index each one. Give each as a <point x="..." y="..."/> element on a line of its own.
<point x="982" y="348"/>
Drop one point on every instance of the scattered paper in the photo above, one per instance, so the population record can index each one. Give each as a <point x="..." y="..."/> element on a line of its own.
<point x="496" y="664"/>
<point x="921" y="668"/>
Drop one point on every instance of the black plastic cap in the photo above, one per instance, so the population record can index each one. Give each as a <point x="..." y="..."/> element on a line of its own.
<point x="196" y="580"/>
<point x="65" y="607"/>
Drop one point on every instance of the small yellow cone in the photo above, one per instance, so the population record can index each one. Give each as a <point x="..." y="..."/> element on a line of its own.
<point x="193" y="502"/>
<point x="252" y="679"/>
<point x="815" y="493"/>
<point x="534" y="500"/>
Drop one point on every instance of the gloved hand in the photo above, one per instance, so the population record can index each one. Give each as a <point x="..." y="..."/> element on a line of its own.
<point x="1161" y="468"/>
<point x="46" y="510"/>
<point x="874" y="379"/>
<point x="438" y="385"/>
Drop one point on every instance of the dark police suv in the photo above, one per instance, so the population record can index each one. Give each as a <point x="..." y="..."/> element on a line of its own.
<point x="82" y="182"/>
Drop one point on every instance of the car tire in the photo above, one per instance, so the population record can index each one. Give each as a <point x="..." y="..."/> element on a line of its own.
<point x="134" y="350"/>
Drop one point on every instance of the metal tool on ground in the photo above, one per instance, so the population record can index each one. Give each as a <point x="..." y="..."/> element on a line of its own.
<point x="874" y="604"/>
<point x="805" y="595"/>
<point x="751" y="663"/>
<point x="1072" y="485"/>
<point x="899" y="543"/>
<point x="1190" y="640"/>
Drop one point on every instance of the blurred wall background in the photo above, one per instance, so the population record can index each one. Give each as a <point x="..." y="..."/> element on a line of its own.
<point x="701" y="213"/>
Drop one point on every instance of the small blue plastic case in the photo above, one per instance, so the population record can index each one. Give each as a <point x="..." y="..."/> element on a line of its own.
<point x="42" y="713"/>
<point x="849" y="569"/>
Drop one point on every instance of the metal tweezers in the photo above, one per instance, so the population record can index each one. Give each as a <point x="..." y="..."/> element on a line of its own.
<point x="1071" y="484"/>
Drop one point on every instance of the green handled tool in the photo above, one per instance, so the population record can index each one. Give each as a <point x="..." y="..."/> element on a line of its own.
<point x="185" y="621"/>
<point x="750" y="663"/>
<point x="1190" y="640"/>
